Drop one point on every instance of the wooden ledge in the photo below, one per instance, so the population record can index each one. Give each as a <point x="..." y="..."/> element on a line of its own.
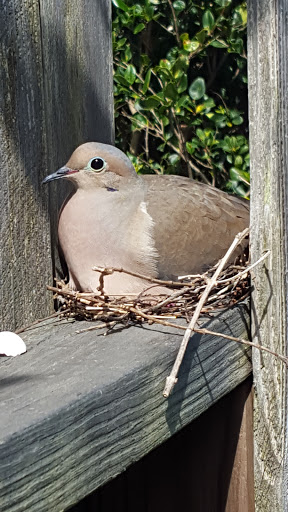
<point x="77" y="409"/>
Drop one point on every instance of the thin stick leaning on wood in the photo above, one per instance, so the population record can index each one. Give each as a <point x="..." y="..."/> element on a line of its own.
<point x="159" y="321"/>
<point x="172" y="378"/>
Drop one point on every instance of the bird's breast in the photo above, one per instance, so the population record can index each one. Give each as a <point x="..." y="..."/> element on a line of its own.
<point x="107" y="231"/>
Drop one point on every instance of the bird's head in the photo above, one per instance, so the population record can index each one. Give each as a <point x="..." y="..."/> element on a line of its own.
<point x="96" y="165"/>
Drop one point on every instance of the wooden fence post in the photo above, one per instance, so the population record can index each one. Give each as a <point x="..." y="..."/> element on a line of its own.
<point x="268" y="86"/>
<point x="55" y="93"/>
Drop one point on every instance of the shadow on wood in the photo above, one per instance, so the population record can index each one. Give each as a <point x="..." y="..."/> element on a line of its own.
<point x="207" y="466"/>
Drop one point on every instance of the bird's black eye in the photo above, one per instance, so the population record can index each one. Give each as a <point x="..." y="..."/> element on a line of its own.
<point x="96" y="164"/>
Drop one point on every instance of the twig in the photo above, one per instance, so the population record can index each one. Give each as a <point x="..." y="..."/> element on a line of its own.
<point x="166" y="323"/>
<point x="35" y="324"/>
<point x="235" y="278"/>
<point x="175" y="295"/>
<point x="135" y="274"/>
<point x="172" y="378"/>
<point x="100" y="326"/>
<point x="244" y="342"/>
<point x="175" y="23"/>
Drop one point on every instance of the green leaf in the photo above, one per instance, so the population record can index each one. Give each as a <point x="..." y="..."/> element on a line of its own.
<point x="179" y="5"/>
<point x="182" y="84"/>
<point x="184" y="101"/>
<point x="146" y="81"/>
<point x="165" y="64"/>
<point x="139" y="28"/>
<point x="208" y="20"/>
<point x="190" y="46"/>
<point x="150" y="102"/>
<point x="184" y="36"/>
<point x="236" y="174"/>
<point x="237" y="120"/>
<point x="197" y="88"/>
<point x="190" y="146"/>
<point x="121" y="5"/>
<point x="200" y="134"/>
<point x="162" y="147"/>
<point x="242" y="10"/>
<point x="136" y="9"/>
<point x="223" y="3"/>
<point x="170" y="92"/>
<point x="174" y="158"/>
<point x="244" y="149"/>
<point x="219" y="44"/>
<point x="180" y="65"/>
<point x="149" y="10"/>
<point x="237" y="189"/>
<point x="139" y="122"/>
<point x="145" y="61"/>
<point x="200" y="108"/>
<point x="165" y="120"/>
<point x="201" y="36"/>
<point x="236" y="45"/>
<point x="219" y="120"/>
<point x="121" y="42"/>
<point x="128" y="54"/>
<point x="238" y="161"/>
<point x="118" y="78"/>
<point x="209" y="103"/>
<point x="130" y="74"/>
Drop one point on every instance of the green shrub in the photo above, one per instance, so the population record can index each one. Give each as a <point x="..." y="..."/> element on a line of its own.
<point x="180" y="88"/>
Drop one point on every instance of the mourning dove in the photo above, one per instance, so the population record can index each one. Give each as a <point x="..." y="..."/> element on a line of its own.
<point x="161" y="226"/>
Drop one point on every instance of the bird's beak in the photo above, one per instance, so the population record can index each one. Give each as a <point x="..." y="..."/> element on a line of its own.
<point x="61" y="173"/>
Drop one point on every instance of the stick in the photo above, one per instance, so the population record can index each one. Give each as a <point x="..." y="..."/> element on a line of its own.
<point x="175" y="295"/>
<point x="35" y="324"/>
<point x="172" y="378"/>
<point x="110" y="270"/>
<point x="166" y="323"/>
<point x="284" y="359"/>
<point x="234" y="278"/>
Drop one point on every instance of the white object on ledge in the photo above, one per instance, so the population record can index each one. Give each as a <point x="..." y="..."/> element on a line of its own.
<point x="11" y="344"/>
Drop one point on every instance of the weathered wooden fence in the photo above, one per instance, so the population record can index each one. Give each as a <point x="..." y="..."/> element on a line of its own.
<point x="55" y="93"/>
<point x="268" y="89"/>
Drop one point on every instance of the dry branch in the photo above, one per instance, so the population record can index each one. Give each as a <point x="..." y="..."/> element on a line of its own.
<point x="172" y="378"/>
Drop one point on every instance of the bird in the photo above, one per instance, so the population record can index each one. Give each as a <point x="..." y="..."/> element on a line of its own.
<point x="157" y="225"/>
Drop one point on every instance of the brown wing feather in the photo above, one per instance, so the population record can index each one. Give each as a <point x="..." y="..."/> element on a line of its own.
<point x="194" y="223"/>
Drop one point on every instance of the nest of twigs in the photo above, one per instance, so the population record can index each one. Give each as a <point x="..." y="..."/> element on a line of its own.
<point x="191" y="298"/>
<point x="231" y="287"/>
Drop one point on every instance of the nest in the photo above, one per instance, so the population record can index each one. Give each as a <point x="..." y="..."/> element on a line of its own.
<point x="191" y="298"/>
<point x="231" y="287"/>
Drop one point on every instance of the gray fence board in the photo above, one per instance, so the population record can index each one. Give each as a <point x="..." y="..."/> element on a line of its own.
<point x="268" y="83"/>
<point x="55" y="93"/>
<point x="80" y="408"/>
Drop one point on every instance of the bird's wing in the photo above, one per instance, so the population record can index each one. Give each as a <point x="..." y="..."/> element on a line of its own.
<point x="194" y="223"/>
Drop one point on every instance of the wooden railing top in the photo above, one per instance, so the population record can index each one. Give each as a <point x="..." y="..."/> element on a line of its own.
<point x="77" y="409"/>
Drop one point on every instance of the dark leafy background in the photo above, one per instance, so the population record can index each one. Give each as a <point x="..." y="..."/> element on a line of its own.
<point x="180" y="86"/>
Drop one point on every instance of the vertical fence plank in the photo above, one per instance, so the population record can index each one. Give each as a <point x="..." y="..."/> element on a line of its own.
<point x="268" y="81"/>
<point x="55" y="93"/>
<point x="25" y="262"/>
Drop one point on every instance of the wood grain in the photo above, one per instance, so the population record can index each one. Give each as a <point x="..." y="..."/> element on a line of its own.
<point x="268" y="82"/>
<point x="55" y="92"/>
<point x="201" y="468"/>
<point x="25" y="256"/>
<point x="76" y="410"/>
